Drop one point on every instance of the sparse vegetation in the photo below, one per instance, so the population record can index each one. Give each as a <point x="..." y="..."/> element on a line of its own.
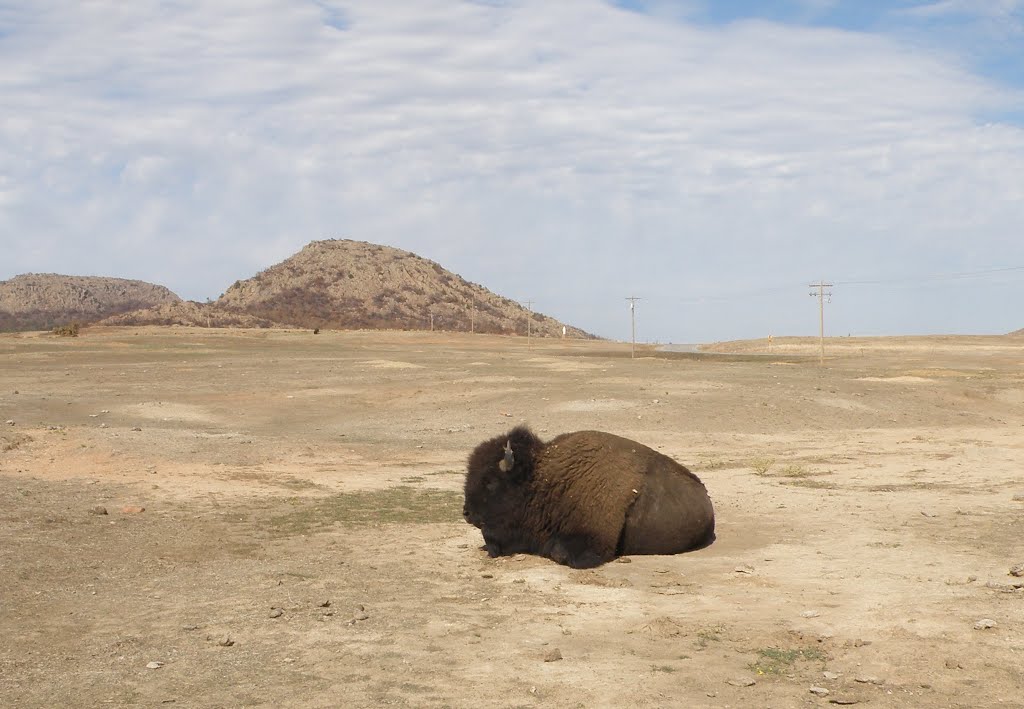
<point x="395" y="505"/>
<point x="70" y="330"/>
<point x="777" y="661"/>
<point x="706" y="636"/>
<point x="762" y="465"/>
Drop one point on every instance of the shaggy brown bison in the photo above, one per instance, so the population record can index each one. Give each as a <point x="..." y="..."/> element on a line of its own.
<point x="583" y="498"/>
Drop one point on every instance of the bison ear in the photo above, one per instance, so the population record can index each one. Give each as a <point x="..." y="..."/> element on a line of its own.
<point x="506" y="464"/>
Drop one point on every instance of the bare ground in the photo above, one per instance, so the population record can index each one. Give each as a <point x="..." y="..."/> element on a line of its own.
<point x="301" y="543"/>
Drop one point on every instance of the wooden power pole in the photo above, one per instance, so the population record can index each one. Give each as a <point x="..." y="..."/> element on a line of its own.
<point x="821" y="286"/>
<point x="529" y="317"/>
<point x="632" y="325"/>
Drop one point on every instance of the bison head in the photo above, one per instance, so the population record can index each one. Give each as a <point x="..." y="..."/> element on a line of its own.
<point x="497" y="487"/>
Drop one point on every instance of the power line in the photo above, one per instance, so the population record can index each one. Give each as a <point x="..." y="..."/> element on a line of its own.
<point x="932" y="277"/>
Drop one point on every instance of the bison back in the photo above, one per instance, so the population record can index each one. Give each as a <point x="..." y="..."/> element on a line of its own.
<point x="672" y="514"/>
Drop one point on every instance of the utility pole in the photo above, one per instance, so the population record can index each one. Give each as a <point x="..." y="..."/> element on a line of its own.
<point x="529" y="317"/>
<point x="472" y="318"/>
<point x="821" y="286"/>
<point x="632" y="320"/>
<point x="431" y="321"/>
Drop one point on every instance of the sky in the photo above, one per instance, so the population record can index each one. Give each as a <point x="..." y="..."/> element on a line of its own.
<point x="711" y="158"/>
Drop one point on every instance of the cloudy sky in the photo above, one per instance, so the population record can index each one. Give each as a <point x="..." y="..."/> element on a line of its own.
<point x="711" y="157"/>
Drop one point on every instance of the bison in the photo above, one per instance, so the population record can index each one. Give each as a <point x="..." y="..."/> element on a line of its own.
<point x="583" y="498"/>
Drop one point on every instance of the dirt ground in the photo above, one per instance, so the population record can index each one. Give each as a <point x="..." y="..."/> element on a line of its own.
<point x="301" y="543"/>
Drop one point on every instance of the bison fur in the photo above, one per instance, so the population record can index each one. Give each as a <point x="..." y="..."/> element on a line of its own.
<point x="583" y="498"/>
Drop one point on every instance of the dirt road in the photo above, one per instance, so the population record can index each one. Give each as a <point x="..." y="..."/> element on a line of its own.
<point x="300" y="541"/>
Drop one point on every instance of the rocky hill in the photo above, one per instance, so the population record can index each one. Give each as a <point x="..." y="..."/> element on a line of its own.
<point x="42" y="301"/>
<point x="343" y="284"/>
<point x="187" y="312"/>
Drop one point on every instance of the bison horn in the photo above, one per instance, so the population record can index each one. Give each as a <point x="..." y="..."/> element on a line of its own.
<point x="509" y="460"/>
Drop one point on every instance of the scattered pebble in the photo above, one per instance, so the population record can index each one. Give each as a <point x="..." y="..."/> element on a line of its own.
<point x="190" y="627"/>
<point x="276" y="612"/>
<point x="830" y="675"/>
<point x="745" y="569"/>
<point x="154" y="665"/>
<point x="624" y="560"/>
<point x="325" y="604"/>
<point x="136" y="428"/>
<point x="1019" y="497"/>
<point x="819" y="691"/>
<point x="487" y="575"/>
<point x="810" y="614"/>
<point x="1017" y="569"/>
<point x="553" y="655"/>
<point x="868" y="680"/>
<point x="10" y="422"/>
<point x="953" y="664"/>
<point x="843" y="700"/>
<point x="132" y="510"/>
<point x="226" y="641"/>
<point x="99" y="510"/>
<point x="742" y="682"/>
<point x="985" y="624"/>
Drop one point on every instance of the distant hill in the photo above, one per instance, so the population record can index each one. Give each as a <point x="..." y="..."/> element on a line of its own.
<point x="187" y="312"/>
<point x="42" y="301"/>
<point x="344" y="284"/>
<point x="333" y="284"/>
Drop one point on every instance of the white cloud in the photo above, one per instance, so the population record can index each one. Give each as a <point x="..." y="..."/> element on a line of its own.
<point x="569" y="152"/>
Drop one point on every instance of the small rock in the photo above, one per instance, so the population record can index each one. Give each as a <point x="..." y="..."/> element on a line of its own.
<point x="985" y="624"/>
<point x="99" y="510"/>
<point x="953" y="664"/>
<point x="136" y="428"/>
<point x="276" y="612"/>
<point x="1019" y="497"/>
<point x="623" y="560"/>
<point x="843" y="700"/>
<point x="1003" y="587"/>
<point x="486" y="576"/>
<point x="190" y="627"/>
<point x="830" y="675"/>
<point x="810" y="614"/>
<point x="325" y="604"/>
<point x="553" y="655"/>
<point x="745" y="569"/>
<point x="819" y="691"/>
<point x="742" y="682"/>
<point x="868" y="680"/>
<point x="10" y="422"/>
<point x="1017" y="569"/>
<point x="972" y="578"/>
<point x="154" y="665"/>
<point x="132" y="509"/>
<point x="226" y="641"/>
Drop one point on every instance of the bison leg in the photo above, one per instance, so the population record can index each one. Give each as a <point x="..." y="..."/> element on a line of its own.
<point x="575" y="550"/>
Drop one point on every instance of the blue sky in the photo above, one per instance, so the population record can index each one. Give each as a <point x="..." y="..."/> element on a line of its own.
<point x="712" y="158"/>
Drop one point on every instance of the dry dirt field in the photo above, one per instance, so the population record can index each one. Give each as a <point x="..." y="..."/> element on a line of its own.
<point x="301" y="543"/>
